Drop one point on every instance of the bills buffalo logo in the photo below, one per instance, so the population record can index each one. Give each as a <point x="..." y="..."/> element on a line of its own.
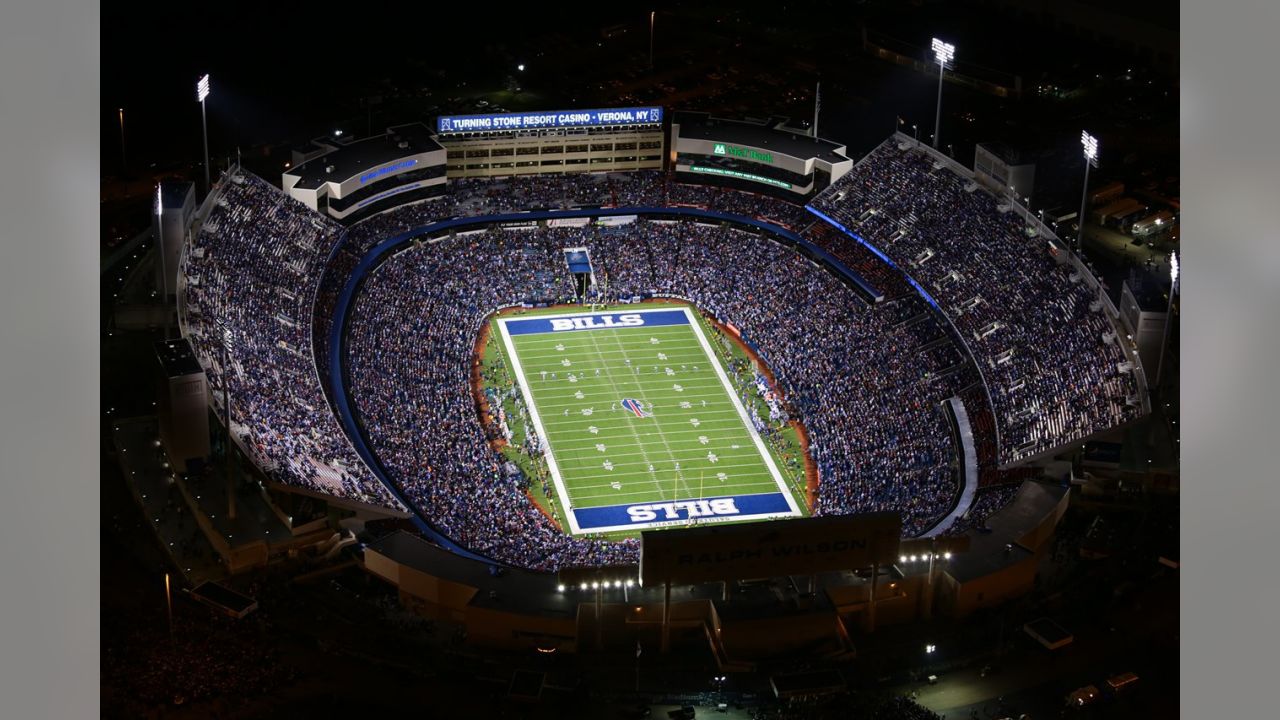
<point x="635" y="406"/>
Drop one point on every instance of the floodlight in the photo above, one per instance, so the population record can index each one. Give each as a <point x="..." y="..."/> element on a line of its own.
<point x="946" y="556"/>
<point x="584" y="586"/>
<point x="943" y="52"/>
<point x="902" y="559"/>
<point x="159" y="201"/>
<point x="1173" y="267"/>
<point x="560" y="587"/>
<point x="595" y="586"/>
<point x="520" y="67"/>
<point x="1090" y="144"/>
<point x="202" y="88"/>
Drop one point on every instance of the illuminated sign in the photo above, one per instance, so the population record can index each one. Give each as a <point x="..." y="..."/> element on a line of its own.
<point x="550" y="119"/>
<point x="740" y="176"/>
<point x="375" y="174"/>
<point x="742" y="152"/>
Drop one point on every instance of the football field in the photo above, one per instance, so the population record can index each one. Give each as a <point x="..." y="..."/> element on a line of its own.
<point x="640" y="424"/>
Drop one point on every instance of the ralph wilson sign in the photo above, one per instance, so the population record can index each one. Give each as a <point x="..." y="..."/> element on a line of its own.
<point x="756" y="550"/>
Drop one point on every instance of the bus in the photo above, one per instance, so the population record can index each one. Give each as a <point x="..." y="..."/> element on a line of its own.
<point x="1153" y="224"/>
<point x="1119" y="682"/>
<point x="1123" y="222"/>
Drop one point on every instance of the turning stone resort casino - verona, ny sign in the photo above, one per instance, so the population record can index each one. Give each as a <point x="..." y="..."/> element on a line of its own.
<point x="548" y="119"/>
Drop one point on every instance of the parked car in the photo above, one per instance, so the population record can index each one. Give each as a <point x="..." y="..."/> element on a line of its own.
<point x="1086" y="695"/>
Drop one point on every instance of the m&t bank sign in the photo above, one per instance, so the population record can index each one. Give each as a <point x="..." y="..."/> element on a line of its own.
<point x="742" y="152"/>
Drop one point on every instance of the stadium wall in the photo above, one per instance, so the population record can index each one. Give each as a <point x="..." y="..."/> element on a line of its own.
<point x="738" y="622"/>
<point x="559" y="151"/>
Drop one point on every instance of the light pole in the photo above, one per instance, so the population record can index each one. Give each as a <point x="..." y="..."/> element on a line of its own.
<point x="652" y="15"/>
<point x="916" y="129"/>
<point x="1168" y="315"/>
<point x="1090" y="145"/>
<point x="124" y="159"/>
<point x="164" y="271"/>
<point x="168" y="601"/>
<point x="944" y="52"/>
<point x="202" y="92"/>
<point x="817" y="105"/>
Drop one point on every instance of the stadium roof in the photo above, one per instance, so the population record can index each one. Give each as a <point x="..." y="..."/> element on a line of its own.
<point x="176" y="357"/>
<point x="987" y="551"/>
<point x="514" y="589"/>
<point x="767" y="134"/>
<point x="348" y="160"/>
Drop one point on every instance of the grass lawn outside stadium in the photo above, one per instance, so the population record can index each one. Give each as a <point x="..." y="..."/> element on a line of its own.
<point x="641" y="426"/>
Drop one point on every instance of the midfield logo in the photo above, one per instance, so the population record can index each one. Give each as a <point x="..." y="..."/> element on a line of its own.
<point x="636" y="407"/>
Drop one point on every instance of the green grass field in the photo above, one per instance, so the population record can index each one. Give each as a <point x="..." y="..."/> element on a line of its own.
<point x="640" y="424"/>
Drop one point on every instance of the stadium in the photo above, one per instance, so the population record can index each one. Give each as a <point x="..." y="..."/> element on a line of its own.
<point x="547" y="341"/>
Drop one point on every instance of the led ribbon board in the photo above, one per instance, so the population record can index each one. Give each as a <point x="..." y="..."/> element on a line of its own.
<point x="548" y="119"/>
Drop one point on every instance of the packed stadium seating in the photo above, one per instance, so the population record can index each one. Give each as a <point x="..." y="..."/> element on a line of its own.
<point x="863" y="387"/>
<point x="866" y="381"/>
<point x="1045" y="347"/>
<point x="248" y="284"/>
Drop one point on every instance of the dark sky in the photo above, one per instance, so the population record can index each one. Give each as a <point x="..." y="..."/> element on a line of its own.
<point x="274" y="63"/>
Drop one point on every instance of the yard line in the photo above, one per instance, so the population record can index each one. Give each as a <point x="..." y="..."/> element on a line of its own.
<point x="655" y="349"/>
<point x="643" y="473"/>
<point x="591" y="442"/>
<point x="725" y="488"/>
<point x="722" y="454"/>
<point x="716" y="424"/>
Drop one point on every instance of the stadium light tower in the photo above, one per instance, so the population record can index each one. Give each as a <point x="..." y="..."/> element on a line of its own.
<point x="944" y="52"/>
<point x="202" y="92"/>
<point x="1090" y="144"/>
<point x="1168" y="315"/>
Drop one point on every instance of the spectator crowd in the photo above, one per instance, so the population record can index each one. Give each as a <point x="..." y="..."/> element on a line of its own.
<point x="1048" y="352"/>
<point x="246" y="293"/>
<point x="860" y="378"/>
<point x="263" y="272"/>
